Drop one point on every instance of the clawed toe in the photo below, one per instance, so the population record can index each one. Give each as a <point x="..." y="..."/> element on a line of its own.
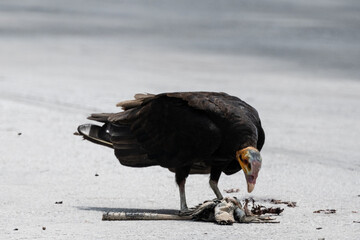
<point x="185" y="212"/>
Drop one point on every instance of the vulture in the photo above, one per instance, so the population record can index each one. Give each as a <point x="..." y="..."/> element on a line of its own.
<point x="186" y="132"/>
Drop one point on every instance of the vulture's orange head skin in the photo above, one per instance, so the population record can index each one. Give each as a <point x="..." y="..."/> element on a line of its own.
<point x="250" y="161"/>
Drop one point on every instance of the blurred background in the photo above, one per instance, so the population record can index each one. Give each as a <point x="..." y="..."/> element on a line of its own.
<point x="286" y="58"/>
<point x="162" y="45"/>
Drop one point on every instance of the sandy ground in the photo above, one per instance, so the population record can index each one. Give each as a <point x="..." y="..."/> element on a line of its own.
<point x="297" y="63"/>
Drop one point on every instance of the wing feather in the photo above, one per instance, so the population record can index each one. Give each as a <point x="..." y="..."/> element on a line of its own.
<point x="184" y="128"/>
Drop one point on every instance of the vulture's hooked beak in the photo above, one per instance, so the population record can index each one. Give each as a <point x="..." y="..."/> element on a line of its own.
<point x="250" y="161"/>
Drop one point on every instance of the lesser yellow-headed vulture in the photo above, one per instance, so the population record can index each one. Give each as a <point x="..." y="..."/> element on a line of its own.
<point x="186" y="132"/>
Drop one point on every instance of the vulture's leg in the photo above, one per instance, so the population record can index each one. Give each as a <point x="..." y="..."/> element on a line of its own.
<point x="214" y="178"/>
<point x="181" y="175"/>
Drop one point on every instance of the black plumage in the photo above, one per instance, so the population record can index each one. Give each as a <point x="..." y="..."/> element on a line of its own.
<point x="187" y="132"/>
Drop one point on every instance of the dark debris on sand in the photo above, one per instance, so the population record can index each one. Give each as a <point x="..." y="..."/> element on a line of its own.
<point x="258" y="209"/>
<point x="288" y="203"/>
<point x="326" y="211"/>
<point x="232" y="190"/>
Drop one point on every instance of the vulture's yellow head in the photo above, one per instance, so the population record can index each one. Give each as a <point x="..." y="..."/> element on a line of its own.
<point x="250" y="161"/>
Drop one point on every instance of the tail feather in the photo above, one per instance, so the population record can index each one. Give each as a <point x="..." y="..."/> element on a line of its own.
<point x="116" y="133"/>
<point x="120" y="117"/>
<point x="94" y="134"/>
<point x="134" y="160"/>
<point x="119" y="137"/>
<point x="124" y="140"/>
<point x="139" y="99"/>
<point x="100" y="117"/>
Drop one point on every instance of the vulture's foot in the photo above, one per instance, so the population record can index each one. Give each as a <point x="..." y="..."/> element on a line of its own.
<point x="183" y="208"/>
<point x="214" y="187"/>
<point x="186" y="212"/>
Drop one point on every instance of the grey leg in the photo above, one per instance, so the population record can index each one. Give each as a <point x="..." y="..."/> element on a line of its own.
<point x="183" y="206"/>
<point x="180" y="176"/>
<point x="214" y="178"/>
<point x="214" y="187"/>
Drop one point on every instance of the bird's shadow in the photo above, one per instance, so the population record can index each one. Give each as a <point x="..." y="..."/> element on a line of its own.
<point x="130" y="210"/>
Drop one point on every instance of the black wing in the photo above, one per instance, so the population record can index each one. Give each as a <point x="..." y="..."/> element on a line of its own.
<point x="174" y="133"/>
<point x="237" y="114"/>
<point x="238" y="119"/>
<point x="168" y="130"/>
<point x="177" y="129"/>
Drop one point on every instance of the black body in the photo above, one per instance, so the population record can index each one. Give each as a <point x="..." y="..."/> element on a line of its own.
<point x="187" y="132"/>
